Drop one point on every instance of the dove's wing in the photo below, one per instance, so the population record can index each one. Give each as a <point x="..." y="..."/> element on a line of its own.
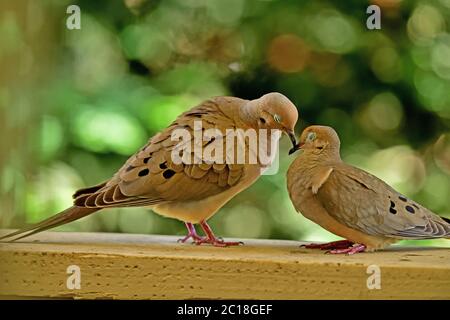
<point x="363" y="202"/>
<point x="152" y="176"/>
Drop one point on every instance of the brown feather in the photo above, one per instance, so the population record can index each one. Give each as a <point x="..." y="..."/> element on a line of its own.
<point x="66" y="216"/>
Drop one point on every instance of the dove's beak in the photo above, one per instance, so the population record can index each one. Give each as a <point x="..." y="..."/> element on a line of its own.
<point x="291" y="135"/>
<point x="296" y="147"/>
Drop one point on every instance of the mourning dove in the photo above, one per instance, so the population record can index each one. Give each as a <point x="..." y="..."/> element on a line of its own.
<point x="352" y="203"/>
<point x="193" y="190"/>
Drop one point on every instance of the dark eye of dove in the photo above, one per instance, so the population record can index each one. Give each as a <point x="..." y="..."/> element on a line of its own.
<point x="311" y="136"/>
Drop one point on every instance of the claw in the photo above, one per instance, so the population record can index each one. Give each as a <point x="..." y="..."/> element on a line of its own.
<point x="218" y="243"/>
<point x="210" y="238"/>
<point x="192" y="234"/>
<point x="351" y="250"/>
<point x="195" y="238"/>
<point x="341" y="244"/>
<point x="213" y="240"/>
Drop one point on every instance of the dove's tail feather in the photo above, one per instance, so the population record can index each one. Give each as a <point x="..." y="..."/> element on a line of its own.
<point x="88" y="190"/>
<point x="66" y="216"/>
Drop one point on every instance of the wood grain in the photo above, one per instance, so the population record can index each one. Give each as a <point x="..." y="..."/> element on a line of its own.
<point x="124" y="266"/>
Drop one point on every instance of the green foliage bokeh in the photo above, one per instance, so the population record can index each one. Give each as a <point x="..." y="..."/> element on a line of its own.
<point x="100" y="92"/>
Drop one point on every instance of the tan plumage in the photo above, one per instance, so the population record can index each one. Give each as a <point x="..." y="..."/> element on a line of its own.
<point x="189" y="192"/>
<point x="351" y="202"/>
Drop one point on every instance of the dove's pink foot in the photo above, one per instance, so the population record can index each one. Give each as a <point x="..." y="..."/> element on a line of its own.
<point x="213" y="240"/>
<point x="351" y="250"/>
<point x="192" y="234"/>
<point x="341" y="244"/>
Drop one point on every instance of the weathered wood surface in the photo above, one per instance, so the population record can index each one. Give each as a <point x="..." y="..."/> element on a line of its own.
<point x="124" y="266"/>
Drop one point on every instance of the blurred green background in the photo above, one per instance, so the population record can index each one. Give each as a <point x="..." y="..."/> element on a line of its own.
<point x="74" y="104"/>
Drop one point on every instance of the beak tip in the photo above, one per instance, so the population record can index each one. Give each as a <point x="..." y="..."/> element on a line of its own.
<point x="294" y="149"/>
<point x="294" y="142"/>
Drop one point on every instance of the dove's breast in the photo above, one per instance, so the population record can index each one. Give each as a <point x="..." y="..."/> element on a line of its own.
<point x="195" y="211"/>
<point x="298" y="184"/>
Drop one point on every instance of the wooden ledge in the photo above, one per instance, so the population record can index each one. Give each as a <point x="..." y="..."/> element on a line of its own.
<point x="124" y="266"/>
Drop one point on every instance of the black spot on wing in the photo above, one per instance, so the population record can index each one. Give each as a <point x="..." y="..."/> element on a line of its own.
<point x="143" y="172"/>
<point x="410" y="209"/>
<point x="392" y="208"/>
<point x="168" y="174"/>
<point x="403" y="198"/>
<point x="163" y="165"/>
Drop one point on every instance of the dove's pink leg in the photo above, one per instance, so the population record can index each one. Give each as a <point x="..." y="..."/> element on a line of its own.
<point x="341" y="244"/>
<point x="192" y="234"/>
<point x="211" y="238"/>
<point x="351" y="250"/>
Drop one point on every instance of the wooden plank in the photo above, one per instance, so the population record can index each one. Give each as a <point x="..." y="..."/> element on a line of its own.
<point x="124" y="266"/>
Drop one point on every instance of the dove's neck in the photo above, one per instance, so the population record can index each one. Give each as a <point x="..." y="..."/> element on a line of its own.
<point x="326" y="156"/>
<point x="248" y="112"/>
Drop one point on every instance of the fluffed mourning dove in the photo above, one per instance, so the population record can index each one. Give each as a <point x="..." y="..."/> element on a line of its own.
<point x="190" y="191"/>
<point x="352" y="203"/>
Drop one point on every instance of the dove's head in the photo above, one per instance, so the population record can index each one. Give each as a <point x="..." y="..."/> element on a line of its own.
<point x="274" y="111"/>
<point x="318" y="140"/>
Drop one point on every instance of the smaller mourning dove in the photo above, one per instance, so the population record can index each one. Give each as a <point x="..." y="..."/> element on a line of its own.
<point x="195" y="187"/>
<point x="352" y="203"/>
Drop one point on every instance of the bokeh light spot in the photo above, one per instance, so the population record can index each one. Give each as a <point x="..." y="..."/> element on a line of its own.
<point x="226" y="12"/>
<point x="51" y="137"/>
<point x="441" y="152"/>
<point x="425" y="23"/>
<point x="400" y="167"/>
<point x="386" y="64"/>
<point x="433" y="92"/>
<point x="288" y="53"/>
<point x="104" y="131"/>
<point x="334" y="32"/>
<point x="385" y="111"/>
<point x="440" y="57"/>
